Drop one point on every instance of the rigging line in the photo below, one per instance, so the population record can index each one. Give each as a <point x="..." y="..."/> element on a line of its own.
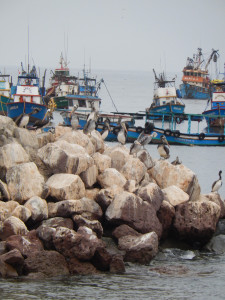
<point x="110" y="95"/>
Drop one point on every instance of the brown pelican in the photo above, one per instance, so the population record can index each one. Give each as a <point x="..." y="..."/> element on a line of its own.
<point x="122" y="134"/>
<point x="89" y="126"/>
<point x="176" y="161"/>
<point x="217" y="184"/>
<point x="135" y="147"/>
<point x="163" y="148"/>
<point x="145" y="139"/>
<point x="94" y="113"/>
<point x="106" y="129"/>
<point x="23" y="119"/>
<point x="74" y="120"/>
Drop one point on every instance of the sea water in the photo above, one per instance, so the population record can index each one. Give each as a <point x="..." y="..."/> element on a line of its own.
<point x="174" y="273"/>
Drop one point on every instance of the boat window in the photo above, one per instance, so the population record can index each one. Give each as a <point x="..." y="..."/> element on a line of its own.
<point x="82" y="103"/>
<point x="191" y="74"/>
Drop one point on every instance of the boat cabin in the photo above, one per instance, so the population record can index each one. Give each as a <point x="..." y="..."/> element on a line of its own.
<point x="164" y="95"/>
<point x="218" y="96"/>
<point x="5" y="85"/>
<point x="84" y="102"/>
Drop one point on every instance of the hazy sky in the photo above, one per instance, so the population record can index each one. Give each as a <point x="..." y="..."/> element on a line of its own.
<point x="112" y="34"/>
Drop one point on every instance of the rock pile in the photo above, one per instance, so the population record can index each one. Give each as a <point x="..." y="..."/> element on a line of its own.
<point x="72" y="205"/>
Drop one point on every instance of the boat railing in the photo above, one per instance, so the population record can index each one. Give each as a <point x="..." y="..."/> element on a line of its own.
<point x="176" y="118"/>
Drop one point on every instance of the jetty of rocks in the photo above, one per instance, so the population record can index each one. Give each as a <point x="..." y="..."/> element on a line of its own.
<point x="70" y="204"/>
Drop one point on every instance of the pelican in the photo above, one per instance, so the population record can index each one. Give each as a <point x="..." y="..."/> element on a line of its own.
<point x="122" y="134"/>
<point x="74" y="119"/>
<point x="94" y="114"/>
<point x="135" y="147"/>
<point x="163" y="148"/>
<point x="106" y="129"/>
<point x="89" y="126"/>
<point x="176" y="161"/>
<point x="23" y="119"/>
<point x="217" y="184"/>
<point x="145" y="139"/>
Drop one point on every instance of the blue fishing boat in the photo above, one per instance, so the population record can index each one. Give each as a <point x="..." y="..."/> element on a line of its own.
<point x="196" y="76"/>
<point x="215" y="116"/>
<point x="5" y="93"/>
<point x="165" y="99"/>
<point x="173" y="135"/>
<point x="28" y="99"/>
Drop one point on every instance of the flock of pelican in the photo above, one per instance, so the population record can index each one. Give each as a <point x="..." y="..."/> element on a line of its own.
<point x="143" y="139"/>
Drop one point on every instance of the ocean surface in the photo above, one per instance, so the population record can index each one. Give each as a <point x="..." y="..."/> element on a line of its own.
<point x="174" y="273"/>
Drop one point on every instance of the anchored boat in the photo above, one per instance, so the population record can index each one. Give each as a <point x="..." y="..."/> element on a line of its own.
<point x="5" y="93"/>
<point x="215" y="116"/>
<point x="165" y="98"/>
<point x="28" y="99"/>
<point x="196" y="76"/>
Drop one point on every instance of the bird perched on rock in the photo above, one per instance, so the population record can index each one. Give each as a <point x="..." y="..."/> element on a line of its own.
<point x="176" y="161"/>
<point x="135" y="147"/>
<point x="94" y="113"/>
<point x="217" y="184"/>
<point x="74" y="119"/>
<point x="145" y="139"/>
<point x="163" y="148"/>
<point x="122" y="134"/>
<point x="106" y="129"/>
<point x="23" y="119"/>
<point x="89" y="126"/>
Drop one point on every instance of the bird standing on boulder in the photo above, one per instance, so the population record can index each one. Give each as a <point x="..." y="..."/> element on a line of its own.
<point x="163" y="148"/>
<point x="106" y="129"/>
<point x="145" y="139"/>
<point x="217" y="184"/>
<point x="135" y="147"/>
<point x="176" y="161"/>
<point x="74" y="119"/>
<point x="122" y="134"/>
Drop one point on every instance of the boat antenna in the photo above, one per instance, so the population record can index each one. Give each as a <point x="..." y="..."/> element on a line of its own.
<point x="28" y="51"/>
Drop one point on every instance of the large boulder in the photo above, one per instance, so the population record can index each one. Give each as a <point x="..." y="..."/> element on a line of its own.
<point x="49" y="263"/>
<point x="24" y="181"/>
<point x="64" y="157"/>
<point x="97" y="141"/>
<point x="67" y="208"/>
<point x="196" y="221"/>
<point x="174" y="195"/>
<point x="26" y="244"/>
<point x="89" y="176"/>
<point x="77" y="137"/>
<point x="139" y="249"/>
<point x="216" y="198"/>
<point x="38" y="208"/>
<point x="94" y="225"/>
<point x="146" y="159"/>
<point x="165" y="215"/>
<point x="119" y="156"/>
<point x="21" y="212"/>
<point x="81" y="244"/>
<point x="26" y="137"/>
<point x="102" y="161"/>
<point x="130" y="209"/>
<point x="105" y="196"/>
<point x="134" y="169"/>
<point x="4" y="193"/>
<point x="66" y="186"/>
<point x="152" y="194"/>
<point x="111" y="176"/>
<point x="165" y="174"/>
<point x="12" y="226"/>
<point x="11" y="155"/>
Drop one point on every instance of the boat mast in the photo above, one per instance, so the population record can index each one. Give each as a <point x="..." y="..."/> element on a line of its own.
<point x="28" y="51"/>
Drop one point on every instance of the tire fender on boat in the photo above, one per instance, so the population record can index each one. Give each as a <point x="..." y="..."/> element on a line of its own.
<point x="167" y="132"/>
<point x="116" y="130"/>
<point x="178" y="120"/>
<point x="221" y="138"/>
<point x="139" y="129"/>
<point x="176" y="133"/>
<point x="201" y="136"/>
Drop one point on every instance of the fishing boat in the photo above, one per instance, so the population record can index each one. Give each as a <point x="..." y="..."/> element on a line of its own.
<point x="5" y="92"/>
<point x="196" y="76"/>
<point x="62" y="83"/>
<point x="173" y="135"/>
<point x="215" y="116"/>
<point x="28" y="99"/>
<point x="165" y="99"/>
